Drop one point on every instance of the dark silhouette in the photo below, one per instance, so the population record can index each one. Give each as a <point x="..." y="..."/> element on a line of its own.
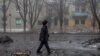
<point x="5" y="39"/>
<point x="91" y="41"/>
<point x="44" y="37"/>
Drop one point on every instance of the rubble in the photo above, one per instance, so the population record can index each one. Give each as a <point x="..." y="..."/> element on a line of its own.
<point x="5" y="39"/>
<point x="92" y="42"/>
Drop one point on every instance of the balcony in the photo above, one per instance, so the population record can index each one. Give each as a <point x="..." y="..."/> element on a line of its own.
<point x="80" y="15"/>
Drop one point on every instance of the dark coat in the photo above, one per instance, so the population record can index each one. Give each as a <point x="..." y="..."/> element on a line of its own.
<point x="44" y="34"/>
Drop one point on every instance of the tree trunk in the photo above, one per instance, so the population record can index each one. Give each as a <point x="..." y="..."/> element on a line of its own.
<point x="61" y="15"/>
<point x="99" y="27"/>
<point x="4" y="25"/>
<point x="25" y="13"/>
<point x="31" y="20"/>
<point x="94" y="23"/>
<point x="98" y="21"/>
<point x="31" y="27"/>
<point x="4" y="16"/>
<point x="24" y="25"/>
<point x="93" y="7"/>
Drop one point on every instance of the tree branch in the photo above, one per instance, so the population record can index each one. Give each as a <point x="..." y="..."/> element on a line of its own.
<point x="18" y="6"/>
<point x="39" y="10"/>
<point x="9" y="2"/>
<point x="55" y="7"/>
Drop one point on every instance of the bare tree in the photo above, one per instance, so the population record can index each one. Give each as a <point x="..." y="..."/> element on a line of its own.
<point x="94" y="12"/>
<point x="22" y="6"/>
<point x="4" y="10"/>
<point x="60" y="8"/>
<point x="35" y="9"/>
<point x="29" y="9"/>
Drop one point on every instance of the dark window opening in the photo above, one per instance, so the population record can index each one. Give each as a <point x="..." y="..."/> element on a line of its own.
<point x="76" y="21"/>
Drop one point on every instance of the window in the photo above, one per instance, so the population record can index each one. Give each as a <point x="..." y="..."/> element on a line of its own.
<point x="83" y="9"/>
<point x="76" y="21"/>
<point x="77" y="9"/>
<point x="82" y="21"/>
<point x="18" y="21"/>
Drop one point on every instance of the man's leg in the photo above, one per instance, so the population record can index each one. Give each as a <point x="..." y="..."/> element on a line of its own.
<point x="47" y="46"/>
<point x="39" y="48"/>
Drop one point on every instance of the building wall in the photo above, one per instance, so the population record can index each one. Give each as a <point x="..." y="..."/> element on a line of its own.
<point x="88" y="24"/>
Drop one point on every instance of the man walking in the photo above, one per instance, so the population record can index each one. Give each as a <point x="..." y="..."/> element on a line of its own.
<point x="44" y="38"/>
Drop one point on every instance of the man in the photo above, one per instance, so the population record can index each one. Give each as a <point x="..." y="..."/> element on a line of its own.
<point x="44" y="37"/>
